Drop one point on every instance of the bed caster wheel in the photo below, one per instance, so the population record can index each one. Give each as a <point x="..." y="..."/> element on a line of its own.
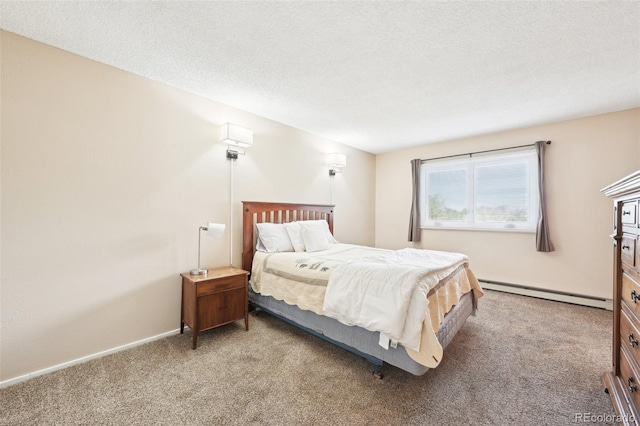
<point x="378" y="375"/>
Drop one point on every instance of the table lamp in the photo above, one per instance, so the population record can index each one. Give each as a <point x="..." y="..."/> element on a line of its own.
<point x="214" y="230"/>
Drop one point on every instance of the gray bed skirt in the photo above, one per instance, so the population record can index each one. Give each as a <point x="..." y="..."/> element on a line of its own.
<point x="358" y="340"/>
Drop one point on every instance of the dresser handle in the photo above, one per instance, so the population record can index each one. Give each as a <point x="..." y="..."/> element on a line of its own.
<point x="625" y="247"/>
<point x="634" y="296"/>
<point x="632" y="387"/>
<point x="633" y="341"/>
<point x="626" y="212"/>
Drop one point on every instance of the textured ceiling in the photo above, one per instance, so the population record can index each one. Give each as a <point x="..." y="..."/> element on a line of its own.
<point x="377" y="76"/>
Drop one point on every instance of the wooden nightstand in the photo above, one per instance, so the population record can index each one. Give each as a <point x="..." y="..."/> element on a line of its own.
<point x="217" y="298"/>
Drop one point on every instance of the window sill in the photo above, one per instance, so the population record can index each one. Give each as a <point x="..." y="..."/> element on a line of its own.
<point x="476" y="229"/>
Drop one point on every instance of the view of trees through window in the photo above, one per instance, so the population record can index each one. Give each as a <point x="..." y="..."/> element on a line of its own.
<point x="447" y="191"/>
<point x="502" y="193"/>
<point x="488" y="192"/>
<point x="438" y="209"/>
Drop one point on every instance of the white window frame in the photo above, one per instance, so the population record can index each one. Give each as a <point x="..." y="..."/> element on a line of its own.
<point x="528" y="156"/>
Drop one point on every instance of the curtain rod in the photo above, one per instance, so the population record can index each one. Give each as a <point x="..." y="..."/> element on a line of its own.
<point x="482" y="152"/>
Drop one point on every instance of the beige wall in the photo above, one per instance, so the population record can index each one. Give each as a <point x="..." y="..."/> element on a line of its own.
<point x="585" y="156"/>
<point x="106" y="177"/>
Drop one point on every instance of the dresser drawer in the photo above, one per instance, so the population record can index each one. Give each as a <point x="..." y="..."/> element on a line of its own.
<point x="628" y="249"/>
<point x="630" y="336"/>
<point x="629" y="376"/>
<point x="630" y="213"/>
<point x="210" y="287"/>
<point x="631" y="293"/>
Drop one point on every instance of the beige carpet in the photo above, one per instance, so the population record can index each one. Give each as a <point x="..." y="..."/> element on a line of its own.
<point x="519" y="361"/>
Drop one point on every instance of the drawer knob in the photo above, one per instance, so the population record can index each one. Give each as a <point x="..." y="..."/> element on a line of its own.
<point x="634" y="296"/>
<point x="632" y="340"/>
<point x="632" y="386"/>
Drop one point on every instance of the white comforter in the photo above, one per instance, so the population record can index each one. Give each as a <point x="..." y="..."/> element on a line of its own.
<point x="387" y="293"/>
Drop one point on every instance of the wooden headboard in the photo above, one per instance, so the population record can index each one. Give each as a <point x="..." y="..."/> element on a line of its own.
<point x="260" y="212"/>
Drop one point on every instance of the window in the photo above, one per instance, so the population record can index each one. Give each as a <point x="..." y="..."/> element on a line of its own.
<point x="486" y="192"/>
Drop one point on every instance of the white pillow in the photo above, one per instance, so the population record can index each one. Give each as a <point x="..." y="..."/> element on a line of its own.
<point x="316" y="235"/>
<point x="325" y="227"/>
<point x="293" y="230"/>
<point x="273" y="238"/>
<point x="259" y="245"/>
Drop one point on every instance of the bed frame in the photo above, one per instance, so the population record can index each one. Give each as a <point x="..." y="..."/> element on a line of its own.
<point x="354" y="339"/>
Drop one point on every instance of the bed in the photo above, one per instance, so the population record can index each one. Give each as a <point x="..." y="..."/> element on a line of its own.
<point x="295" y="286"/>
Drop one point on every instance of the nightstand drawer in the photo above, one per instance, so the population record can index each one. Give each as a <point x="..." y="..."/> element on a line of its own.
<point x="221" y="308"/>
<point x="221" y="284"/>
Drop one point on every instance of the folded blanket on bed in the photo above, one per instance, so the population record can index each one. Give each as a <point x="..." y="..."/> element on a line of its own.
<point x="387" y="293"/>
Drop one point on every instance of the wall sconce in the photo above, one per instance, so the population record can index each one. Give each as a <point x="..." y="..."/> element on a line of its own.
<point x="336" y="162"/>
<point x="214" y="230"/>
<point x="234" y="135"/>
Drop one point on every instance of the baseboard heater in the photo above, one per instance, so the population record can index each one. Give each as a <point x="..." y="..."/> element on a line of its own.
<point x="559" y="296"/>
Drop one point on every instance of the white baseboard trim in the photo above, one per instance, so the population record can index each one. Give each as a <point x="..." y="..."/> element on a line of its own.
<point x="541" y="293"/>
<point x="23" y="378"/>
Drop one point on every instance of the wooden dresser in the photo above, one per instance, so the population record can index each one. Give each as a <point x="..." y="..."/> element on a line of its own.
<point x="623" y="382"/>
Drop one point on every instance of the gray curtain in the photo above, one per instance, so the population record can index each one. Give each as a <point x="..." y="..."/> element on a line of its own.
<point x="414" y="219"/>
<point x="543" y="241"/>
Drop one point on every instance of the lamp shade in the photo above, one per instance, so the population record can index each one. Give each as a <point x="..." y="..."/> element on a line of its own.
<point x="214" y="230"/>
<point x="337" y="160"/>
<point x="235" y="135"/>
